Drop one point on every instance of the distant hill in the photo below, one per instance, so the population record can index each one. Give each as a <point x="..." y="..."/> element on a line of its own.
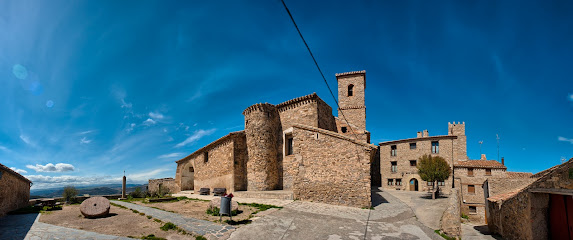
<point x="107" y="189"/>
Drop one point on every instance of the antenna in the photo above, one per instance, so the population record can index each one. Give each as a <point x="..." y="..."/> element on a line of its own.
<point x="497" y="137"/>
<point x="480" y="143"/>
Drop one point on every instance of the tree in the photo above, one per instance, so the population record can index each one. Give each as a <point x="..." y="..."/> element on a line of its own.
<point x="70" y="193"/>
<point x="433" y="169"/>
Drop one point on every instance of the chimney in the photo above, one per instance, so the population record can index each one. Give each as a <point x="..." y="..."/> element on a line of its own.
<point x="419" y="134"/>
<point x="502" y="161"/>
<point x="425" y="133"/>
<point x="483" y="157"/>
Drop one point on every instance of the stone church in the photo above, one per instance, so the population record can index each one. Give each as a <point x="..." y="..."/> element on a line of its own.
<point x="297" y="146"/>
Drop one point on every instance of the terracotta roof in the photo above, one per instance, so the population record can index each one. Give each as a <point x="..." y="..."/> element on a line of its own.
<point x="419" y="139"/>
<point x="480" y="164"/>
<point x="350" y="73"/>
<point x="518" y="174"/>
<point x="7" y="169"/>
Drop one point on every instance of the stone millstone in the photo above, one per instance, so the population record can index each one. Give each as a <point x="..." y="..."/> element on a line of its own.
<point x="95" y="207"/>
<point x="216" y="202"/>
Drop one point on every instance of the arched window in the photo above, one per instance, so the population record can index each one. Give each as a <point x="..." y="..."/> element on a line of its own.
<point x="350" y="90"/>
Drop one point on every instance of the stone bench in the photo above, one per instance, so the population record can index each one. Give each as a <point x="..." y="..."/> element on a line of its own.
<point x="219" y="191"/>
<point x="204" y="191"/>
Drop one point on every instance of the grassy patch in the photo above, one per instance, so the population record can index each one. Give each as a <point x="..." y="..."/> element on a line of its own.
<point x="157" y="220"/>
<point x="260" y="207"/>
<point x="200" y="238"/>
<point x="372" y="208"/>
<point x="465" y="216"/>
<point x="215" y="211"/>
<point x="444" y="235"/>
<point x="117" y="205"/>
<point x="148" y="237"/>
<point x="134" y="211"/>
<point x="168" y="226"/>
<point x="149" y="217"/>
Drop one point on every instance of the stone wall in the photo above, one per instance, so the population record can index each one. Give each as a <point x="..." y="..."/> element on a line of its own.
<point x="14" y="190"/>
<point x="167" y="185"/>
<point x="351" y="130"/>
<point x="332" y="168"/>
<point x="215" y="171"/>
<point x="302" y="110"/>
<point x="240" y="163"/>
<point x="405" y="172"/>
<point x="450" y="223"/>
<point x="264" y="134"/>
<point x="325" y="117"/>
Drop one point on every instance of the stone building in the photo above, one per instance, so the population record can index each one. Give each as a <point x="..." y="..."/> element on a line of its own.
<point x="14" y="190"/>
<point x="399" y="158"/>
<point x="541" y="210"/>
<point x="162" y="185"/>
<point x="297" y="146"/>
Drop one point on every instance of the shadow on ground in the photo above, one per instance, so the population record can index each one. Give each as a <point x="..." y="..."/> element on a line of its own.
<point x="483" y="229"/>
<point x="377" y="199"/>
<point x="16" y="226"/>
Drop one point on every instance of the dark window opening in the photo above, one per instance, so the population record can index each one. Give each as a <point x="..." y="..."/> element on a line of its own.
<point x="350" y="90"/>
<point x="488" y="172"/>
<point x="412" y="163"/>
<point x="470" y="172"/>
<point x="390" y="182"/>
<point x="191" y="169"/>
<point x="289" y="145"/>
<point x="473" y="209"/>
<point x="412" y="145"/>
<point x="394" y="167"/>
<point x="471" y="189"/>
<point x="435" y="147"/>
<point x="343" y="129"/>
<point x="206" y="156"/>
<point x="393" y="150"/>
<point x="398" y="182"/>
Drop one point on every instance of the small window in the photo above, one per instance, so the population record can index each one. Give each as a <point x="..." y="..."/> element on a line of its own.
<point x="412" y="163"/>
<point x="350" y="90"/>
<point x="488" y="171"/>
<point x="394" y="167"/>
<point x="393" y="150"/>
<point x="473" y="209"/>
<point x="289" y="142"/>
<point x="441" y="183"/>
<point x="435" y="147"/>
<point x="470" y="172"/>
<point x="398" y="182"/>
<point x="430" y="183"/>
<point x="343" y="129"/>
<point x="412" y="145"/>
<point x="390" y="182"/>
<point x="471" y="189"/>
<point x="191" y="169"/>
<point x="206" y="156"/>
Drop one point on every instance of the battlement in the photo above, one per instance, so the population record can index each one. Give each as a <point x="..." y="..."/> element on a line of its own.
<point x="296" y="102"/>
<point x="350" y="73"/>
<point x="259" y="107"/>
<point x="457" y="128"/>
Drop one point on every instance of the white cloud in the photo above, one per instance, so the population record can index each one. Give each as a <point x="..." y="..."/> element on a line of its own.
<point x="171" y="155"/>
<point x="156" y="115"/>
<point x="84" y="140"/>
<point x="563" y="139"/>
<point x="149" y="122"/>
<point x="59" y="167"/>
<point x="195" y="137"/>
<point x="125" y="104"/>
<point x="86" y="132"/>
<point x="26" y="139"/>
<point x="19" y="170"/>
<point x="5" y="149"/>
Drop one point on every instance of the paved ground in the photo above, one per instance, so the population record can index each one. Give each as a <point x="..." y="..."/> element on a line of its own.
<point x="429" y="211"/>
<point x="197" y="226"/>
<point x="276" y="202"/>
<point x="477" y="232"/>
<point x="390" y="219"/>
<point x="26" y="226"/>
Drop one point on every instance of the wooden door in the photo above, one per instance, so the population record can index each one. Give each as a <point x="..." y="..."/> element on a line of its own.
<point x="560" y="216"/>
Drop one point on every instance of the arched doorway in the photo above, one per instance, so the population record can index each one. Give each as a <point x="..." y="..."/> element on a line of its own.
<point x="413" y="184"/>
<point x="187" y="177"/>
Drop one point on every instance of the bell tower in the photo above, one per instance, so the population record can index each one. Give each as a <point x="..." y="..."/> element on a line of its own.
<point x="351" y="86"/>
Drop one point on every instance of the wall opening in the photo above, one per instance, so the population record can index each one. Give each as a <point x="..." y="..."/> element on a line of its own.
<point x="350" y="90"/>
<point x="413" y="184"/>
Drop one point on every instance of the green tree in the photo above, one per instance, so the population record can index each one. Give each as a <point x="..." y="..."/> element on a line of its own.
<point x="70" y="193"/>
<point x="433" y="169"/>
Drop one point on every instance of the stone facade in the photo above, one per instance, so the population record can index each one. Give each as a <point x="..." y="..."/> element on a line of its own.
<point x="268" y="154"/>
<point x="451" y="222"/>
<point x="528" y="213"/>
<point x="166" y="185"/>
<point x="14" y="190"/>
<point x="398" y="159"/>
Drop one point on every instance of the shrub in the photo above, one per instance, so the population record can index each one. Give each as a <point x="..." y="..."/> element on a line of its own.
<point x="465" y="216"/>
<point x="168" y="226"/>
<point x="70" y="193"/>
<point x="200" y="238"/>
<point x="149" y="217"/>
<point x="137" y="193"/>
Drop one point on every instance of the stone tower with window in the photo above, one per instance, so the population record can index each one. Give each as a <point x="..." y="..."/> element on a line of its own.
<point x="351" y="87"/>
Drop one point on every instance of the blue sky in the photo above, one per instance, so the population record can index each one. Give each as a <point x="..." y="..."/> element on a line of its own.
<point x="92" y="88"/>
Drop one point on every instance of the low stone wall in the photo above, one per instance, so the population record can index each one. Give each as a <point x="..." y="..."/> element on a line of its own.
<point x="167" y="185"/>
<point x="451" y="223"/>
<point x="14" y="190"/>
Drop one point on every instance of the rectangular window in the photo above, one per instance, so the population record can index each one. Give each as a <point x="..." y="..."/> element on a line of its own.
<point x="390" y="182"/>
<point x="206" y="156"/>
<point x="473" y="209"/>
<point x="470" y="172"/>
<point x="430" y="184"/>
<point x="412" y="145"/>
<point x="488" y="171"/>
<point x="398" y="182"/>
<point x="289" y="142"/>
<point x="471" y="189"/>
<point x="441" y="183"/>
<point x="394" y="167"/>
<point x="412" y="163"/>
<point x="393" y="150"/>
<point x="435" y="147"/>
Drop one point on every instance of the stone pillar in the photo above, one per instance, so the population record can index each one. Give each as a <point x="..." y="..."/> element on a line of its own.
<point x="123" y="187"/>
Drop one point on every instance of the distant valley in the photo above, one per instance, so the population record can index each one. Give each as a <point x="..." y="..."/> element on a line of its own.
<point x="107" y="189"/>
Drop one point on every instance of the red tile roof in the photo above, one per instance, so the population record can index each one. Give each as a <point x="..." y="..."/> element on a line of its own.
<point x="480" y="164"/>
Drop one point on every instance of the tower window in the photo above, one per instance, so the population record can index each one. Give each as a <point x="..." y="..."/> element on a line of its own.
<point x="350" y="90"/>
<point x="343" y="129"/>
<point x="206" y="156"/>
<point x="289" y="145"/>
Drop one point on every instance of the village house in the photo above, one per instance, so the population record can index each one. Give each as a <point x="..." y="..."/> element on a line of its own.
<point x="14" y="190"/>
